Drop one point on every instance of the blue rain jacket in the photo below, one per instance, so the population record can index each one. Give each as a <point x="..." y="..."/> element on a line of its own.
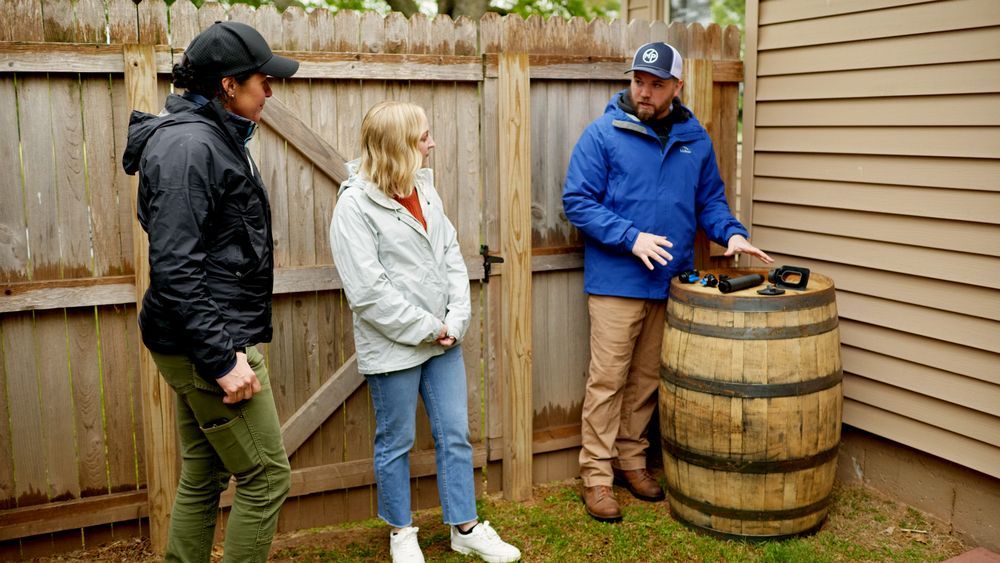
<point x="622" y="181"/>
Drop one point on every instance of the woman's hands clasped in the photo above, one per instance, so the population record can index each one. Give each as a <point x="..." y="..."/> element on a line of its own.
<point x="443" y="339"/>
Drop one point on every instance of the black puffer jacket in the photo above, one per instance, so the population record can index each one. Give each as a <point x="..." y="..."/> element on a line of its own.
<point x="207" y="215"/>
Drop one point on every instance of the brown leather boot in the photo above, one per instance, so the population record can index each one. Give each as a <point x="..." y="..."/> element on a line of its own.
<point x="640" y="483"/>
<point x="601" y="504"/>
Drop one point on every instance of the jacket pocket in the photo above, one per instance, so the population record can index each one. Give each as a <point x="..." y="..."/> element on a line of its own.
<point x="256" y="236"/>
<point x="234" y="444"/>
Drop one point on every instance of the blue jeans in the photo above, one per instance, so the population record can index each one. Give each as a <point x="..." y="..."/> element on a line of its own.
<point x="441" y="382"/>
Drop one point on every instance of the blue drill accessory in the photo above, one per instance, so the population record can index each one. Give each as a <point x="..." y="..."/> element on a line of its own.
<point x="688" y="276"/>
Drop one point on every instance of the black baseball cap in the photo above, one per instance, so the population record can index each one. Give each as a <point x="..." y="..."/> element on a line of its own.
<point x="658" y="59"/>
<point x="230" y="48"/>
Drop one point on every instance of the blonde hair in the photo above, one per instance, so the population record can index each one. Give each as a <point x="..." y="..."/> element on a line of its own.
<point x="390" y="156"/>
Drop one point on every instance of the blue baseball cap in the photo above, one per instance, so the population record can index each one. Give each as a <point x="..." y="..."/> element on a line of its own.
<point x="658" y="59"/>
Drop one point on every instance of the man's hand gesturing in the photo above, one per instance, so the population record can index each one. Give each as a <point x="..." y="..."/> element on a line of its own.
<point x="648" y="246"/>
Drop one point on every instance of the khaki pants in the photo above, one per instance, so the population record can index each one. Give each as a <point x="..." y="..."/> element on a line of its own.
<point x="625" y="338"/>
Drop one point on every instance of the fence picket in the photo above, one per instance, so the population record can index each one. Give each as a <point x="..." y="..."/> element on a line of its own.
<point x="183" y="26"/>
<point x="152" y="22"/>
<point x="91" y="21"/>
<point x="87" y="402"/>
<point x="301" y="237"/>
<point x="111" y="217"/>
<point x="677" y="35"/>
<point x="8" y="498"/>
<point x="21" y="20"/>
<point x="13" y="266"/>
<point x="101" y="162"/>
<point x="117" y="382"/>
<point x="58" y="21"/>
<point x="397" y="33"/>
<point x="122" y="21"/>
<point x="14" y="251"/>
<point x="638" y="35"/>
<point x="420" y="34"/>
<point x="28" y="445"/>
<point x="211" y="12"/>
<point x="76" y="454"/>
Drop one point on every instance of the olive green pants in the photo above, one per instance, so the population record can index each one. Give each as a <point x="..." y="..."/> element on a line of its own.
<point x="218" y="441"/>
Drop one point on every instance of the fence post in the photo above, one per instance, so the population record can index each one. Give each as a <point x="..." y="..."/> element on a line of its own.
<point x="158" y="420"/>
<point x="515" y="246"/>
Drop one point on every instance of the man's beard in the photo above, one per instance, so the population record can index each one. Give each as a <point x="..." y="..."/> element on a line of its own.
<point x="647" y="112"/>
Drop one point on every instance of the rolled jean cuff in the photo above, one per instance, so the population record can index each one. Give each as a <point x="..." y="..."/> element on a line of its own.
<point x="394" y="525"/>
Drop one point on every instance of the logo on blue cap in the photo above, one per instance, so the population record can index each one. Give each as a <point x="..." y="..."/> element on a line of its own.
<point x="658" y="59"/>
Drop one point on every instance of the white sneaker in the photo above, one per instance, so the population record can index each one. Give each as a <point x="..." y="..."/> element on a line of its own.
<point x="484" y="542"/>
<point x="403" y="546"/>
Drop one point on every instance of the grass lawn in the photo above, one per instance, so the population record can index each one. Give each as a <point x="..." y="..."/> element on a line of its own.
<point x="553" y="527"/>
<point x="861" y="526"/>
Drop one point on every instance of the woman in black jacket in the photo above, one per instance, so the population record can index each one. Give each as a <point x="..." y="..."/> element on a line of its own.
<point x="205" y="210"/>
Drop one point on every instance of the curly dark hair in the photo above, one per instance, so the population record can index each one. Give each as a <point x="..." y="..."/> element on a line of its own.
<point x="186" y="76"/>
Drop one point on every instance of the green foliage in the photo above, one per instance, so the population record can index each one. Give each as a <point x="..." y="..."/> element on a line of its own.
<point x="726" y="12"/>
<point x="587" y="9"/>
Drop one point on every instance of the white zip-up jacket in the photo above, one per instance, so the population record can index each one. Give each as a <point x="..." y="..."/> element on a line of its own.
<point x="402" y="283"/>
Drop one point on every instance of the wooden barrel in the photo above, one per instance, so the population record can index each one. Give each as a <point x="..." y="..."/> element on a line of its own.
<point x="750" y="407"/>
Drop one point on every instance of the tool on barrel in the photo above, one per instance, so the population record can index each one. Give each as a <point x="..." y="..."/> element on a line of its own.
<point x="689" y="276"/>
<point x="789" y="277"/>
<point x="785" y="277"/>
<point x="742" y="282"/>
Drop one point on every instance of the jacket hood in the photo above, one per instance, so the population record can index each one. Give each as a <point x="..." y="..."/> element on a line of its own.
<point x="687" y="123"/>
<point x="678" y="112"/>
<point x="355" y="179"/>
<point x="142" y="126"/>
<point x="178" y="110"/>
<point x="353" y="176"/>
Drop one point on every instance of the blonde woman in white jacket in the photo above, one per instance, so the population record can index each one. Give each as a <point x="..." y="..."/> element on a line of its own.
<point x="405" y="279"/>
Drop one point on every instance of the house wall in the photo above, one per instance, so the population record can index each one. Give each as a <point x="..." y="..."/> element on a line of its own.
<point x="872" y="136"/>
<point x="966" y="500"/>
<point x="650" y="10"/>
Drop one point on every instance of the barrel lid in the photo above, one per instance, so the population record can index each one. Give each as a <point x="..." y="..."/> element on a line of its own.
<point x="819" y="292"/>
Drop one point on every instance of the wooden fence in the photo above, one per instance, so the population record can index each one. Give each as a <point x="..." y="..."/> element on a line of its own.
<point x="86" y="442"/>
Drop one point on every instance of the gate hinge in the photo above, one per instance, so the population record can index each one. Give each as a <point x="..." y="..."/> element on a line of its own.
<point x="488" y="261"/>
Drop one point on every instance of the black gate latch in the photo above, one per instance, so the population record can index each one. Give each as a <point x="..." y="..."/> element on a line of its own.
<point x="488" y="261"/>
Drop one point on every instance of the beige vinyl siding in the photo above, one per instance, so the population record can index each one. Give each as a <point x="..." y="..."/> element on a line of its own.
<point x="969" y="109"/>
<point x="875" y="135"/>
<point x="648" y="10"/>
<point x="952" y="173"/>
<point x="777" y="11"/>
<point x="977" y="206"/>
<point x="928" y="17"/>
<point x="937" y="80"/>
<point x="939" y="48"/>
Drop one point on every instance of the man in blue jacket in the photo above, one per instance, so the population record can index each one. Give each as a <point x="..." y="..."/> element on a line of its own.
<point x="641" y="180"/>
